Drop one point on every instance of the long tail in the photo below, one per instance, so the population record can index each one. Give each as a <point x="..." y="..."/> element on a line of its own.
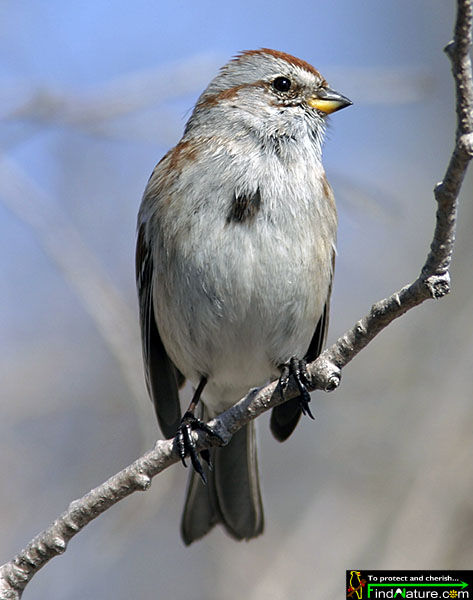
<point x="232" y="495"/>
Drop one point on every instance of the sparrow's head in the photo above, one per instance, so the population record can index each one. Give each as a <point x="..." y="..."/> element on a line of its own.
<point x="269" y="92"/>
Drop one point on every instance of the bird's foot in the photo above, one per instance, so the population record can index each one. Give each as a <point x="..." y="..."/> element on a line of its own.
<point x="186" y="445"/>
<point x="298" y="369"/>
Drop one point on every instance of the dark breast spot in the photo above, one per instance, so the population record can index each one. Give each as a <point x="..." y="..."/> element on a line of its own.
<point x="244" y="207"/>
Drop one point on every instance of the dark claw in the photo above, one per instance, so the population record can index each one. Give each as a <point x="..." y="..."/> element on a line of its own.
<point x="205" y="454"/>
<point x="186" y="445"/>
<point x="298" y="369"/>
<point x="284" y="379"/>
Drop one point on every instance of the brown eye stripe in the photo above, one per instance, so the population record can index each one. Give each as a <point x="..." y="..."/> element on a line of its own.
<point x="214" y="99"/>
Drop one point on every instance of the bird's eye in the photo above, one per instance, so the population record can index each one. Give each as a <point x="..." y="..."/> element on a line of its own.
<point x="282" y="84"/>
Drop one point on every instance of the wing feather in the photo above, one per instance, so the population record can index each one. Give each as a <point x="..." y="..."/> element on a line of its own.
<point x="163" y="379"/>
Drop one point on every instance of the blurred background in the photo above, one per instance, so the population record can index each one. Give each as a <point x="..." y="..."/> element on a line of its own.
<point x="92" y="95"/>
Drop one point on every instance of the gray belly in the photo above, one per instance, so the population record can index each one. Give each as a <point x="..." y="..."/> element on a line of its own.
<point x="239" y="305"/>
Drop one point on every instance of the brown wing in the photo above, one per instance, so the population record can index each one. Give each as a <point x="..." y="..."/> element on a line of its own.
<point x="285" y="417"/>
<point x="163" y="379"/>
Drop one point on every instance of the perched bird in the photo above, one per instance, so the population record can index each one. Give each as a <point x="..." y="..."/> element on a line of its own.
<point x="234" y="265"/>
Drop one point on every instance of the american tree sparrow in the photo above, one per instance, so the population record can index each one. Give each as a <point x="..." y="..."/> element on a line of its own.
<point x="234" y="263"/>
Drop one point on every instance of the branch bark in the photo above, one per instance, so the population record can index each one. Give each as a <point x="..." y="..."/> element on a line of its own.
<point x="325" y="372"/>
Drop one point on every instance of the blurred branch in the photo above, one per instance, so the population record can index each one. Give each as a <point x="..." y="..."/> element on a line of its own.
<point x="93" y="111"/>
<point x="62" y="242"/>
<point x="385" y="85"/>
<point x="433" y="282"/>
<point x="103" y="111"/>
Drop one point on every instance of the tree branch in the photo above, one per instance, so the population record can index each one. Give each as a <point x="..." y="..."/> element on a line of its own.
<point x="433" y="282"/>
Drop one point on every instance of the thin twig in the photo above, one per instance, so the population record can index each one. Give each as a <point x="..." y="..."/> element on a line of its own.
<point x="433" y="282"/>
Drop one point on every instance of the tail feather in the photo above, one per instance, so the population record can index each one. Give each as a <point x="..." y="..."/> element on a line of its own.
<point x="232" y="495"/>
<point x="200" y="511"/>
<point x="284" y="419"/>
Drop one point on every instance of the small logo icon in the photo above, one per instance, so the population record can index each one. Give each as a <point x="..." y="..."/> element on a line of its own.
<point x="355" y="585"/>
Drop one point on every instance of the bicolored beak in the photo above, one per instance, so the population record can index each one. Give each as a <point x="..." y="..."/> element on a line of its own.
<point x="328" y="101"/>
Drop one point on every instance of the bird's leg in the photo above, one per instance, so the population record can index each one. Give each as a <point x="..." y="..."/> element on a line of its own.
<point x="298" y="369"/>
<point x="185" y="443"/>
